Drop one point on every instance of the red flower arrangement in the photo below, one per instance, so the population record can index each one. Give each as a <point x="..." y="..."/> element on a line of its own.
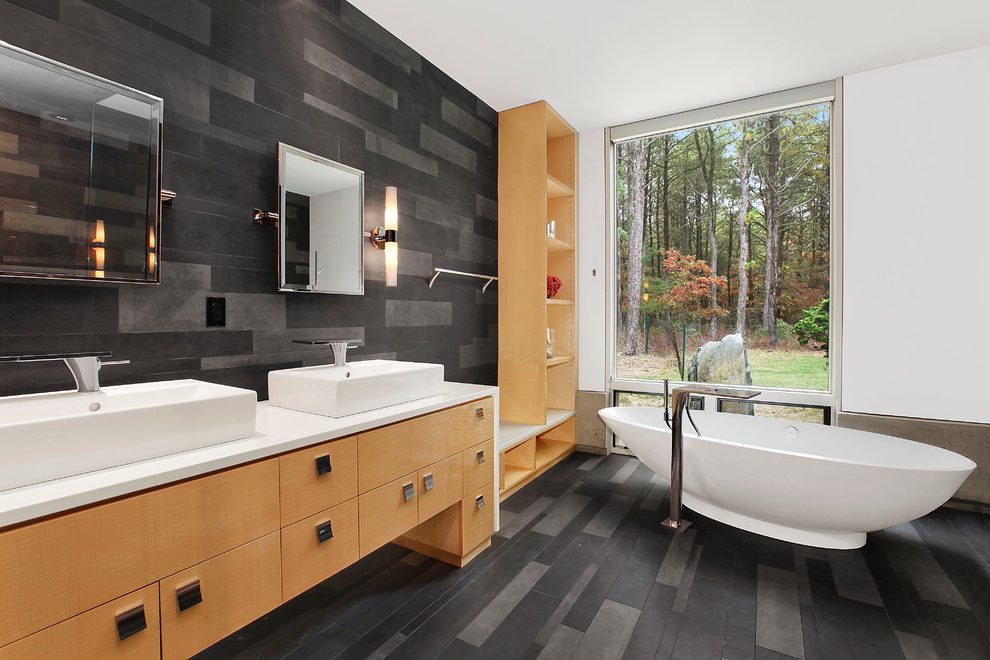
<point x="553" y="285"/>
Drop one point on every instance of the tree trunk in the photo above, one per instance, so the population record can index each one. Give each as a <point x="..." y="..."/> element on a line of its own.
<point x="771" y="278"/>
<point x="665" y="191"/>
<point x="743" y="285"/>
<point x="634" y="272"/>
<point x="707" y="161"/>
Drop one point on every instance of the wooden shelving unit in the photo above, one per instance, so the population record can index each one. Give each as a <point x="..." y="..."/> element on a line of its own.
<point x="537" y="184"/>
<point x="557" y="245"/>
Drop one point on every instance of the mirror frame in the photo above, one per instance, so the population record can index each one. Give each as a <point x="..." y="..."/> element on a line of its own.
<point x="282" y="150"/>
<point x="155" y="205"/>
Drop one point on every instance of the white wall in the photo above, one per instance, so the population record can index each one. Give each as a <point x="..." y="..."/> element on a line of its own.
<point x="917" y="239"/>
<point x="592" y="222"/>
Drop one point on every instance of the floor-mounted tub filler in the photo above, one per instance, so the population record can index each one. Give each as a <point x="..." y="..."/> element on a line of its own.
<point x="816" y="485"/>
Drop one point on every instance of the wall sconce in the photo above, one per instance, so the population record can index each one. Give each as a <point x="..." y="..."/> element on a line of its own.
<point x="151" y="250"/>
<point x="99" y="246"/>
<point x="383" y="238"/>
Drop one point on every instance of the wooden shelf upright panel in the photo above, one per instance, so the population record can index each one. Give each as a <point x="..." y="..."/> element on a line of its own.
<point x="537" y="185"/>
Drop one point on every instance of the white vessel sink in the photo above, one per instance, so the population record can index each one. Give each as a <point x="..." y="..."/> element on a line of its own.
<point x="61" y="434"/>
<point x="354" y="388"/>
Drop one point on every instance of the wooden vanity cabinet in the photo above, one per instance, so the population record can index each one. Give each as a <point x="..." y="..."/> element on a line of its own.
<point x="388" y="511"/>
<point x="205" y="603"/>
<point x="97" y="633"/>
<point x="203" y="557"/>
<point x="319" y="546"/>
<point x="60" y="567"/>
<point x="316" y="478"/>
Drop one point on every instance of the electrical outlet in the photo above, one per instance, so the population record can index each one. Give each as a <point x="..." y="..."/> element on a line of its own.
<point x="216" y="312"/>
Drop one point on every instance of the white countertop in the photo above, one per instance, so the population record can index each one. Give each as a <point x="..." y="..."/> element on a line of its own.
<point x="278" y="431"/>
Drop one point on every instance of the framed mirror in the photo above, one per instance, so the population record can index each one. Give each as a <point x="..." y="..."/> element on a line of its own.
<point x="321" y="226"/>
<point x="80" y="174"/>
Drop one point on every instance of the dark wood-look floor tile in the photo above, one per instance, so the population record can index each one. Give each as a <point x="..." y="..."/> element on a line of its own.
<point x="604" y="578"/>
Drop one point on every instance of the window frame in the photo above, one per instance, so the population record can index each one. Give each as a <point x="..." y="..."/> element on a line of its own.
<point x="824" y="92"/>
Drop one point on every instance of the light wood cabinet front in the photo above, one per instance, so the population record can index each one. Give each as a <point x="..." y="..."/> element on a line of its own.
<point x="95" y="634"/>
<point x="316" y="478"/>
<point x="478" y="464"/>
<point x="219" y="596"/>
<point x="221" y="550"/>
<point x="477" y="517"/>
<point x="315" y="548"/>
<point x="388" y="511"/>
<point x="440" y="486"/>
<point x="57" y="568"/>
<point x="388" y="453"/>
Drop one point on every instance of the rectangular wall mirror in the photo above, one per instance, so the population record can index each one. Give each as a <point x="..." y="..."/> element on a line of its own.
<point x="321" y="228"/>
<point x="80" y="174"/>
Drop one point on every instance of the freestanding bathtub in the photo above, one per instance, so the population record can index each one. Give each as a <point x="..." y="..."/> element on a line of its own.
<point x="816" y="485"/>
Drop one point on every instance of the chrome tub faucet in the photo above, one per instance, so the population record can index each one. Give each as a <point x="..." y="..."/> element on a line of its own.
<point x="681" y="397"/>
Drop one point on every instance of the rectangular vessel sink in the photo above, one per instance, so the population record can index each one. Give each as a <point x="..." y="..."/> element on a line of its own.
<point x="61" y="434"/>
<point x="354" y="388"/>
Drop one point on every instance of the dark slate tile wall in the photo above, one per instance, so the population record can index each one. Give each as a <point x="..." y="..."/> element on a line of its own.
<point x="238" y="76"/>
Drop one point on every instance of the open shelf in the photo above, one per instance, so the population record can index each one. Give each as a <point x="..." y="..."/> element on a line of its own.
<point x="511" y="434"/>
<point x="559" y="301"/>
<point x="557" y="245"/>
<point x="514" y="475"/>
<point x="557" y="188"/>
<point x="547" y="451"/>
<point x="560" y="359"/>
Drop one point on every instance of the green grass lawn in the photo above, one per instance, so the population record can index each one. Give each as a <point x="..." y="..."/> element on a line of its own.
<point x="805" y="370"/>
<point x="802" y="370"/>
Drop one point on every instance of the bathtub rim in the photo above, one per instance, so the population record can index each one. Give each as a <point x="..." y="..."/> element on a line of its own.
<point x="970" y="468"/>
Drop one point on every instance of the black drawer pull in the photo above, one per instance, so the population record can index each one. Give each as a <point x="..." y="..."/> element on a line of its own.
<point x="189" y="595"/>
<point x="481" y="456"/>
<point x="324" y="532"/>
<point x="130" y="622"/>
<point x="429" y="482"/>
<point x="409" y="491"/>
<point x="480" y="501"/>
<point x="479" y="412"/>
<point x="323" y="465"/>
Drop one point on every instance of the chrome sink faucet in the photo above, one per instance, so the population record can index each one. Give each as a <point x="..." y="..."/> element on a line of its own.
<point x="339" y="347"/>
<point x="681" y="397"/>
<point x="84" y="366"/>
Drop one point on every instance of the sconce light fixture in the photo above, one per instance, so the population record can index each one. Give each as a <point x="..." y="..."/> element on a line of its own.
<point x="383" y="238"/>
<point x="99" y="246"/>
<point x="151" y="250"/>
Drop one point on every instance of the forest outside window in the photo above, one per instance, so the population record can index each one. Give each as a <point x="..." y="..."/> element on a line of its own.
<point x="722" y="243"/>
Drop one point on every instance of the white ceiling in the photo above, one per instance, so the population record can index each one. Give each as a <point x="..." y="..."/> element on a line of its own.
<point x="606" y="63"/>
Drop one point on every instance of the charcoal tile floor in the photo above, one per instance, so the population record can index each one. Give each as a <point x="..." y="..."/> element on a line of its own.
<point x="582" y="569"/>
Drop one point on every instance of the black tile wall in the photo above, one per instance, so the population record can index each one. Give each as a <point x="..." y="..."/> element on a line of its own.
<point x="237" y="77"/>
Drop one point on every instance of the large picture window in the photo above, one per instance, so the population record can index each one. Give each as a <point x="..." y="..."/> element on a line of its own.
<point x="722" y="245"/>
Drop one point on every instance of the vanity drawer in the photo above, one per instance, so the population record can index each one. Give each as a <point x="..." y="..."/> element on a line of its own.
<point x="477" y="517"/>
<point x="386" y="512"/>
<point x="478" y="464"/>
<point x="97" y="633"/>
<point x="315" y="548"/>
<point x="57" y="568"/>
<point x="316" y="478"/>
<point x="439" y="487"/>
<point x="219" y="596"/>
<point x="388" y="453"/>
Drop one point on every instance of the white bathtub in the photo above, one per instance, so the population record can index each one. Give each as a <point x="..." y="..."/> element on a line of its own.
<point x="816" y="485"/>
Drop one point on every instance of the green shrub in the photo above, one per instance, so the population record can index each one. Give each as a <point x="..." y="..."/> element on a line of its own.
<point x="812" y="329"/>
